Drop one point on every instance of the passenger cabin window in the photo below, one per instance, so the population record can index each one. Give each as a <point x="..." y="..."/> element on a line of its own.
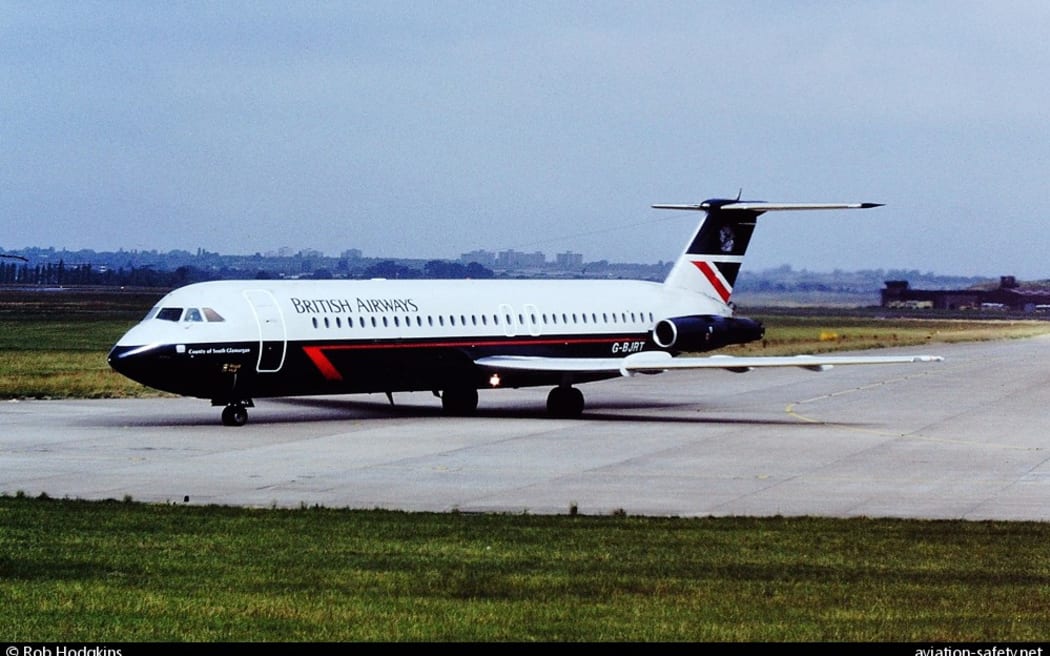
<point x="169" y="314"/>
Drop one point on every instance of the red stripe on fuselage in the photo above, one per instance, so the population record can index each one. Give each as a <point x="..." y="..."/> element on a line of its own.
<point x="321" y="361"/>
<point x="317" y="355"/>
<point x="714" y="279"/>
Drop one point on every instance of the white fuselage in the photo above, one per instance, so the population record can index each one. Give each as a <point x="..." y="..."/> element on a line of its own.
<point x="232" y="339"/>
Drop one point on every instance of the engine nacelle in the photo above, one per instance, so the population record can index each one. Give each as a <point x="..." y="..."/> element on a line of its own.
<point x="705" y="332"/>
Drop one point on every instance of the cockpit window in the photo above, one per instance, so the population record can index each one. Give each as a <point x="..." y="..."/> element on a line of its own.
<point x="169" y="314"/>
<point x="151" y="314"/>
<point x="190" y="314"/>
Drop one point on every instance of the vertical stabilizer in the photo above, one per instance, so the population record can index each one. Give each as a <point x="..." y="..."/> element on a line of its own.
<point x="712" y="259"/>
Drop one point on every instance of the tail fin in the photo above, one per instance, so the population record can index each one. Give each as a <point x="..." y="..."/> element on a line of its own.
<point x="712" y="259"/>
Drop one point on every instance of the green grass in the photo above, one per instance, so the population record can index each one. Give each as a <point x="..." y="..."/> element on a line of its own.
<point x="109" y="571"/>
<point x="62" y="358"/>
<point x="786" y="335"/>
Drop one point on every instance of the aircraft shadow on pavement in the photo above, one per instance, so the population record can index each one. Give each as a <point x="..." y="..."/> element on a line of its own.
<point x="599" y="411"/>
<point x="314" y="409"/>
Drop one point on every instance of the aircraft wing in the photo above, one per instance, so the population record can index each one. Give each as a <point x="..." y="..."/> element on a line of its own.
<point x="654" y="362"/>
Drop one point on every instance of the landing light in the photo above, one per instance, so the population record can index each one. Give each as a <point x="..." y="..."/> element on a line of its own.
<point x="494" y="380"/>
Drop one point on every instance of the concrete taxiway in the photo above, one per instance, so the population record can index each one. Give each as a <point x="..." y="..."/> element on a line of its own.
<point x="964" y="438"/>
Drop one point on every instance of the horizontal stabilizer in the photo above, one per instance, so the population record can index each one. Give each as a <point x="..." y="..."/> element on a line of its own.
<point x="759" y="206"/>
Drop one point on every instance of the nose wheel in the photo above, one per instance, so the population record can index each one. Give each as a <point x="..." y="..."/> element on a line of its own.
<point x="236" y="414"/>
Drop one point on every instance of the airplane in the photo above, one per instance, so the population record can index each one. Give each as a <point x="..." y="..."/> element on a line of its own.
<point x="235" y="341"/>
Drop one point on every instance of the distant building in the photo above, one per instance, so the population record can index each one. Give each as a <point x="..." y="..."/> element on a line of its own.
<point x="484" y="258"/>
<point x="569" y="260"/>
<point x="1008" y="296"/>
<point x="514" y="258"/>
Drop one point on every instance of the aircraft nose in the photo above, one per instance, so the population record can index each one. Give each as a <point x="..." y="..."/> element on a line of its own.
<point x="118" y="360"/>
<point x="114" y="360"/>
<point x="130" y="361"/>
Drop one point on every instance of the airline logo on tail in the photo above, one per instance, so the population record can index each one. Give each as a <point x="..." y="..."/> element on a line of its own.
<point x="723" y="288"/>
<point x="712" y="260"/>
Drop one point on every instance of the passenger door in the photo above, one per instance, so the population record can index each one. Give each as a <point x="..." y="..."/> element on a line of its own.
<point x="273" y="336"/>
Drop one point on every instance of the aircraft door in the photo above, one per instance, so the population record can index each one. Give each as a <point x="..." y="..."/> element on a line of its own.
<point x="531" y="322"/>
<point x="273" y="336"/>
<point x="506" y="314"/>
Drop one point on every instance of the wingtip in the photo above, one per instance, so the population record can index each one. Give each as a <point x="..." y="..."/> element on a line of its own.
<point x="870" y="205"/>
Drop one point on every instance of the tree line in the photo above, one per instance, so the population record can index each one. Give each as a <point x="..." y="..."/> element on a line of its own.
<point x="84" y="274"/>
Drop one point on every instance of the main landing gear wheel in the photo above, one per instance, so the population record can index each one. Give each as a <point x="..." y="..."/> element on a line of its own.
<point x="565" y="403"/>
<point x="234" y="415"/>
<point x="459" y="401"/>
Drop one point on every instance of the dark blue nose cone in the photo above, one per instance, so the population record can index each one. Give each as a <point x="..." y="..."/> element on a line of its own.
<point x="129" y="361"/>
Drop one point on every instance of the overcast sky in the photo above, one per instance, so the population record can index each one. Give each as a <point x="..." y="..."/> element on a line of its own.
<point x="428" y="129"/>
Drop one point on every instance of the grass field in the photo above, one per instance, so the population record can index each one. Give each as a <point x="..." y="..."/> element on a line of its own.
<point x="123" y="571"/>
<point x="53" y="343"/>
<point x="790" y="334"/>
<point x="110" y="571"/>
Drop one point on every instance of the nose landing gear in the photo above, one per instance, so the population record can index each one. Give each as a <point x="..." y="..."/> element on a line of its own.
<point x="236" y="412"/>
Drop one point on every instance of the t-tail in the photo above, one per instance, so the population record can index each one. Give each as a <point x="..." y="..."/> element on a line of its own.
<point x="711" y="261"/>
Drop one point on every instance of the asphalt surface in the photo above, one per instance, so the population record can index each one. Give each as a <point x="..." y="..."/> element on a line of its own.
<point x="965" y="438"/>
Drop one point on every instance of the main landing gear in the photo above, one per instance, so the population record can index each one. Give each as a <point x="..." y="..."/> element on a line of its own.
<point x="235" y="413"/>
<point x="565" y="402"/>
<point x="459" y="401"/>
